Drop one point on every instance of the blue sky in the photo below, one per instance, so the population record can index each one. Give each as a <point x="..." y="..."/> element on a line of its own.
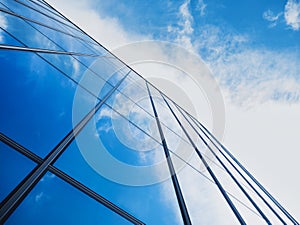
<point x="252" y="50"/>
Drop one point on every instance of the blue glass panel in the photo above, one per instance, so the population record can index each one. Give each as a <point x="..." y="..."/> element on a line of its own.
<point x="53" y="201"/>
<point x="40" y="9"/>
<point x="203" y="199"/>
<point x="38" y="36"/>
<point x="85" y="43"/>
<point x="38" y="101"/>
<point x="13" y="168"/>
<point x="68" y="65"/>
<point x="65" y="40"/>
<point x="5" y="38"/>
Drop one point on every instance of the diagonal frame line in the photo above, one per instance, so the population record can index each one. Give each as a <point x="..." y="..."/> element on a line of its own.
<point x="41" y="24"/>
<point x="70" y="180"/>
<point x="40" y="50"/>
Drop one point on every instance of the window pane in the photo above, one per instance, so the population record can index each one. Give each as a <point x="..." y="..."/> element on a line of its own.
<point x="38" y="14"/>
<point x="24" y="32"/>
<point x="13" y="168"/>
<point x="37" y="101"/>
<point x="53" y="201"/>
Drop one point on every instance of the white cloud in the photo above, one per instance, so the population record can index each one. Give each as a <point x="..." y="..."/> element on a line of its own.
<point x="186" y="18"/>
<point x="271" y="17"/>
<point x="292" y="14"/>
<point x="47" y="177"/>
<point x="274" y="75"/>
<point x="39" y="197"/>
<point x="107" y="30"/>
<point x="3" y="24"/>
<point x="184" y="29"/>
<point x="264" y="138"/>
<point x="201" y="6"/>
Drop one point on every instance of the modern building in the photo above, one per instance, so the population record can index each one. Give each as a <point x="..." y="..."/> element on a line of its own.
<point x="85" y="139"/>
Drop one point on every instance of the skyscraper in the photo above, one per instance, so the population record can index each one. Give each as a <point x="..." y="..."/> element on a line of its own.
<point x="85" y="139"/>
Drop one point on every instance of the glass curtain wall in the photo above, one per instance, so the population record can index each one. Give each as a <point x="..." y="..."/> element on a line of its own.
<point x="87" y="140"/>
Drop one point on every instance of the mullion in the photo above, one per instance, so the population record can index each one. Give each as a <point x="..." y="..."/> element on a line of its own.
<point x="213" y="139"/>
<point x="39" y="50"/>
<point x="183" y="209"/>
<point x="94" y="41"/>
<point x="240" y="165"/>
<point x="252" y="188"/>
<point x="219" y="185"/>
<point x="170" y="129"/>
<point x="47" y="8"/>
<point x="220" y="161"/>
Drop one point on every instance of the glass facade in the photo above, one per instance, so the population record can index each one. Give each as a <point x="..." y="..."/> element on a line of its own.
<point x="87" y="140"/>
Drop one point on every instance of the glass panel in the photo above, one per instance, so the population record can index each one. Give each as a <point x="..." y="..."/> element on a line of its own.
<point x="5" y="38"/>
<point x="134" y="106"/>
<point x="65" y="40"/>
<point x="43" y="7"/>
<point x="68" y="65"/>
<point x="101" y="160"/>
<point x="137" y="148"/>
<point x="83" y="41"/>
<point x="204" y="201"/>
<point x="39" y="36"/>
<point x="13" y="168"/>
<point x="38" y="101"/>
<point x="53" y="201"/>
<point x="134" y="90"/>
<point x="26" y="33"/>
<point x="31" y="6"/>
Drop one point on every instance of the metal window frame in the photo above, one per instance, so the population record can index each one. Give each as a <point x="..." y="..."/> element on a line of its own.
<point x="76" y="184"/>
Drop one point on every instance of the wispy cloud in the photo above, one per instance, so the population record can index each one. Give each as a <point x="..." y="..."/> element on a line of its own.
<point x="201" y="6"/>
<point x="184" y="29"/>
<point x="271" y="17"/>
<point x="47" y="177"/>
<point x="39" y="197"/>
<point x="292" y="14"/>
<point x="108" y="30"/>
<point x="272" y="74"/>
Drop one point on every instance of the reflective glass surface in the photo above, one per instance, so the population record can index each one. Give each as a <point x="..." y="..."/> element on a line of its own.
<point x="41" y="31"/>
<point x="103" y="163"/>
<point x="38" y="101"/>
<point x="13" y="169"/>
<point x="24" y="32"/>
<point x="53" y="201"/>
<point x="53" y="77"/>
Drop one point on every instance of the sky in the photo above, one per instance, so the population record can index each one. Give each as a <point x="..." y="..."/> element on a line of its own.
<point x="252" y="51"/>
